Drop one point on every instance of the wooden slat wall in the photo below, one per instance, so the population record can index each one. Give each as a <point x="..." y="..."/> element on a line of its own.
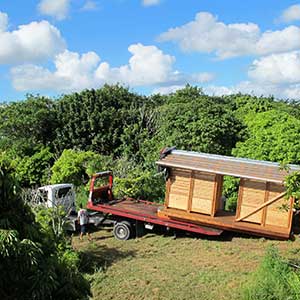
<point x="275" y="214"/>
<point x="203" y="193"/>
<point x="179" y="189"/>
<point x="253" y="195"/>
<point x="193" y="191"/>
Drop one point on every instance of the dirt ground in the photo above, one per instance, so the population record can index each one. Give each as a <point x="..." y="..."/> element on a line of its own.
<point x="189" y="267"/>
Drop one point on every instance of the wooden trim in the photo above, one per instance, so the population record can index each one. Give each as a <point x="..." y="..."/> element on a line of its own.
<point x="191" y="192"/>
<point x="262" y="206"/>
<point x="220" y="190"/>
<point x="168" y="188"/>
<point x="217" y="194"/>
<point x="264" y="212"/>
<point x="213" y="205"/>
<point x="223" y="222"/>
<point x="240" y="198"/>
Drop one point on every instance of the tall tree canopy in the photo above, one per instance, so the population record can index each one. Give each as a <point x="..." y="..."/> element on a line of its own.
<point x="273" y="135"/>
<point x="26" y="125"/>
<point x="193" y="121"/>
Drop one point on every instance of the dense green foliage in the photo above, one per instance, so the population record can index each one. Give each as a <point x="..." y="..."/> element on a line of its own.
<point x="27" y="124"/>
<point x="274" y="136"/>
<point x="33" y="264"/>
<point x="273" y="280"/>
<point x="77" y="166"/>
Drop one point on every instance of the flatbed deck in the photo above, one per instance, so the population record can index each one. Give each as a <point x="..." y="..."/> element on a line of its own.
<point x="225" y="220"/>
<point x="146" y="211"/>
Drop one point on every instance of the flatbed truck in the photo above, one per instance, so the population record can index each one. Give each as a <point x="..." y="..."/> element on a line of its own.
<point x="130" y="215"/>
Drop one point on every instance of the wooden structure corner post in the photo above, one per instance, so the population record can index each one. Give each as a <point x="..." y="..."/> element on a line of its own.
<point x="292" y="201"/>
<point x="239" y="200"/>
<point x="191" y="191"/>
<point x="167" y="196"/>
<point x="216" y="194"/>
<point x="264" y="212"/>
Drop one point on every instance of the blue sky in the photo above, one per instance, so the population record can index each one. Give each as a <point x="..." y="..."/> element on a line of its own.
<point x="53" y="47"/>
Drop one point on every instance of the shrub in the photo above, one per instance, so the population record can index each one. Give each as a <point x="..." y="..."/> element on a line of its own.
<point x="76" y="166"/>
<point x="273" y="280"/>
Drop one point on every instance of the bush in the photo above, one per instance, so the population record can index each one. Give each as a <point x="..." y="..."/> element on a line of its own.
<point x="77" y="166"/>
<point x="35" y="262"/>
<point x="273" y="280"/>
<point x="133" y="181"/>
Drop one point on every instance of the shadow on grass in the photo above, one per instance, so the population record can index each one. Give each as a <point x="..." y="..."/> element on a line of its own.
<point x="101" y="258"/>
<point x="226" y="236"/>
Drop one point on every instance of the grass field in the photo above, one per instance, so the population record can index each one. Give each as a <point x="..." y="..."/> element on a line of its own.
<point x="188" y="267"/>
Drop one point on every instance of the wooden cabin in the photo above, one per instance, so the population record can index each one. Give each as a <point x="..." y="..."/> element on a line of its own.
<point x="194" y="193"/>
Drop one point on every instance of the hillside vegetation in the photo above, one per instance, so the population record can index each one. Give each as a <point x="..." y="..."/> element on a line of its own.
<point x="44" y="140"/>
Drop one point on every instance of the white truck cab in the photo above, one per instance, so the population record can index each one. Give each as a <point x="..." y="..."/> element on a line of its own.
<point x="58" y="194"/>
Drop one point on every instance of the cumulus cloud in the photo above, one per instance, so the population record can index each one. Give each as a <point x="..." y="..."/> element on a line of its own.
<point x="277" y="68"/>
<point x="3" y="21"/>
<point x="165" y="90"/>
<point x="206" y="34"/>
<point x="55" y="8"/>
<point x="32" y="42"/>
<point x="291" y="14"/>
<point x="281" y="91"/>
<point x="148" y="65"/>
<point x="73" y="72"/>
<point x="150" y="2"/>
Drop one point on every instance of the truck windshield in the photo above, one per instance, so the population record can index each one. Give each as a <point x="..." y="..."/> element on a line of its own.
<point x="63" y="192"/>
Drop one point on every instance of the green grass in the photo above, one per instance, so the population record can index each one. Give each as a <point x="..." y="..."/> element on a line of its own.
<point x="158" y="267"/>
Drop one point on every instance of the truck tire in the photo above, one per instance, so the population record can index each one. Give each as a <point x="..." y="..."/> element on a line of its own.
<point x="122" y="230"/>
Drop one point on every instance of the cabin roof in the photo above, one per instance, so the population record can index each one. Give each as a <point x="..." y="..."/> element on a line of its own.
<point x="226" y="165"/>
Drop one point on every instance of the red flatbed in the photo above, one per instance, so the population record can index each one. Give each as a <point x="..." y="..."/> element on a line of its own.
<point x="146" y="212"/>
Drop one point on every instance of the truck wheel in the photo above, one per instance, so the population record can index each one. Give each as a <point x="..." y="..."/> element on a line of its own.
<point x="122" y="231"/>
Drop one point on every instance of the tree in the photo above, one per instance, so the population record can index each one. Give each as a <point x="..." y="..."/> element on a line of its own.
<point x="192" y="121"/>
<point x="95" y="119"/>
<point x="27" y="124"/>
<point x="77" y="166"/>
<point x="34" y="170"/>
<point x="273" y="136"/>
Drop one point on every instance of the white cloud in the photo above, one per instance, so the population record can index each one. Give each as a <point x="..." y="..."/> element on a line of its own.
<point x="281" y="68"/>
<point x="55" y="8"/>
<point x="284" y="91"/>
<point x="147" y="66"/>
<point x="291" y="14"/>
<point x="206" y="34"/>
<point x="35" y="41"/>
<point x="165" y="90"/>
<point x="89" y="5"/>
<point x="3" y="21"/>
<point x="73" y="72"/>
<point x="151" y="2"/>
<point x="215" y="90"/>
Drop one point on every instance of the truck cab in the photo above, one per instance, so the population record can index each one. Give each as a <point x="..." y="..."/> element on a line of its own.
<point x="58" y="194"/>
